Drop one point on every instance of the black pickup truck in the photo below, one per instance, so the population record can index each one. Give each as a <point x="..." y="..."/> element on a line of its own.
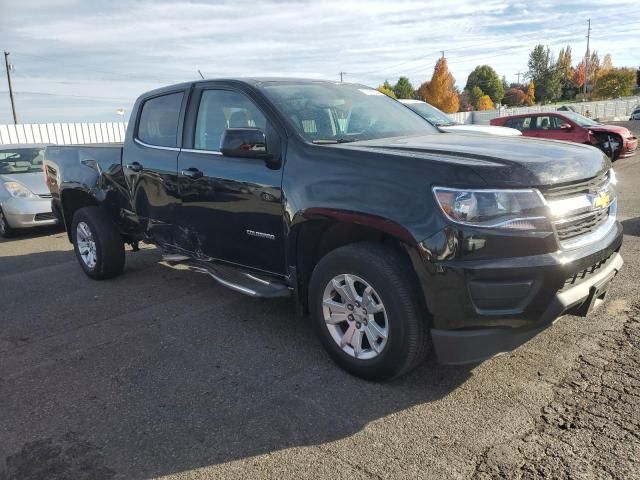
<point x="397" y="239"/>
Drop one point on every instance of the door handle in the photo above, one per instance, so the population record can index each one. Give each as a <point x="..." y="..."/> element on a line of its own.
<point x="134" y="167"/>
<point x="192" y="173"/>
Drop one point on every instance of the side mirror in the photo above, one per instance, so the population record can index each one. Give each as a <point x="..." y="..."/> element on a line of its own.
<point x="566" y="126"/>
<point x="245" y="143"/>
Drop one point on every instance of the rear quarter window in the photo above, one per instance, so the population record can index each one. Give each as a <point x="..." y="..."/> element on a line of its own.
<point x="159" y="118"/>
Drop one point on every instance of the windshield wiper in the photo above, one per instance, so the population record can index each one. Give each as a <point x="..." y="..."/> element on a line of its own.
<point x="332" y="141"/>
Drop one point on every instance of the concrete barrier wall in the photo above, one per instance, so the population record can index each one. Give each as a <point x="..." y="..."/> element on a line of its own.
<point x="63" y="133"/>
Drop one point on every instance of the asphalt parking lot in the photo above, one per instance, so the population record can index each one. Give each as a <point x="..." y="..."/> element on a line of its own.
<point x="163" y="372"/>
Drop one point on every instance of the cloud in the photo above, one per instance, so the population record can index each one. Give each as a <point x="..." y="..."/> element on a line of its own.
<point x="120" y="48"/>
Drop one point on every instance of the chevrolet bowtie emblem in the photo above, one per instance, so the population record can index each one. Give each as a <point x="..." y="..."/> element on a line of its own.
<point x="601" y="200"/>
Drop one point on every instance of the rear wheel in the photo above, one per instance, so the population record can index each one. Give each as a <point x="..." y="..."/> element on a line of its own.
<point x="367" y="311"/>
<point x="97" y="243"/>
<point x="5" y="229"/>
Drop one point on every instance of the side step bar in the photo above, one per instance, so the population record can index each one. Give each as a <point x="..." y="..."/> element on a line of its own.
<point x="241" y="281"/>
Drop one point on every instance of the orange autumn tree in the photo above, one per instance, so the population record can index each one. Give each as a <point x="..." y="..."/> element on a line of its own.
<point x="485" y="103"/>
<point x="440" y="91"/>
<point x="531" y="94"/>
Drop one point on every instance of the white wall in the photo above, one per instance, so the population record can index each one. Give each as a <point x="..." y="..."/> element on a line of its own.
<point x="63" y="133"/>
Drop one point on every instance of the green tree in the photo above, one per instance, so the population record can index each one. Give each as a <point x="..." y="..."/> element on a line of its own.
<point x="403" y="88"/>
<point x="486" y="78"/>
<point x="387" y="89"/>
<point x="544" y="75"/>
<point x="617" y="82"/>
<point x="476" y="94"/>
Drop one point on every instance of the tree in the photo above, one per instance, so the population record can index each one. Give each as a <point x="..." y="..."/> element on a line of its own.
<point x="565" y="71"/>
<point x="403" y="89"/>
<point x="476" y="94"/>
<point x="486" y="78"/>
<point x="440" y="91"/>
<point x="578" y="74"/>
<point x="465" y="101"/>
<point x="543" y="73"/>
<point x="514" y="97"/>
<point x="485" y="103"/>
<point x="531" y="94"/>
<point x="617" y="82"/>
<point x="564" y="65"/>
<point x="607" y="64"/>
<point x="594" y="67"/>
<point x="387" y="89"/>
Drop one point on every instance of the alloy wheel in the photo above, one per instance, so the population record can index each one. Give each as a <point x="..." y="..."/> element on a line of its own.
<point x="86" y="245"/>
<point x="355" y="316"/>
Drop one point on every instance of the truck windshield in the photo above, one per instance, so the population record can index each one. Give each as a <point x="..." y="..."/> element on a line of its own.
<point x="337" y="113"/>
<point x="21" y="160"/>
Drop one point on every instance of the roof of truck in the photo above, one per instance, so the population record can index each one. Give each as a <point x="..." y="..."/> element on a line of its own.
<point x="254" y="81"/>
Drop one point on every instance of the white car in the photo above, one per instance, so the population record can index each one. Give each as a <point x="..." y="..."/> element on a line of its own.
<point x="635" y="115"/>
<point x="443" y="122"/>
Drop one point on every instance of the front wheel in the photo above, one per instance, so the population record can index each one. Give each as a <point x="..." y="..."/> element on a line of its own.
<point x="367" y="311"/>
<point x="5" y="229"/>
<point x="97" y="243"/>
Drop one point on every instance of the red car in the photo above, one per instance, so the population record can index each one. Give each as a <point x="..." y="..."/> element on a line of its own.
<point x="615" y="141"/>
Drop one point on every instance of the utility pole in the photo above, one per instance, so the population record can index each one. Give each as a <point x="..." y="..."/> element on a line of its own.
<point x="586" y="58"/>
<point x="442" y="52"/>
<point x="518" y="74"/>
<point x="13" y="103"/>
<point x="341" y="74"/>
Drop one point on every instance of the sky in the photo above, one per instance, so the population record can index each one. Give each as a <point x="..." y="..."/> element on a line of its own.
<point x="81" y="60"/>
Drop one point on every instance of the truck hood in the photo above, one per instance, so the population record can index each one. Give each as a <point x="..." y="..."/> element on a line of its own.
<point x="482" y="129"/>
<point x="500" y="161"/>
<point x="34" y="181"/>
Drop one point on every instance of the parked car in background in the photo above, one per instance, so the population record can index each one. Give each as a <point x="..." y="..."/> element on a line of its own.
<point x="25" y="200"/>
<point x="635" y="115"/>
<point x="616" y="141"/>
<point x="444" y="123"/>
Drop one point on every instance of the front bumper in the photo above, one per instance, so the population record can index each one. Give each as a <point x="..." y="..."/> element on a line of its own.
<point x="629" y="148"/>
<point x="485" y="307"/>
<point x="28" y="212"/>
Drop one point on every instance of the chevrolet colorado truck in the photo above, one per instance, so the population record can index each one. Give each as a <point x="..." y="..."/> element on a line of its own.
<point x="397" y="239"/>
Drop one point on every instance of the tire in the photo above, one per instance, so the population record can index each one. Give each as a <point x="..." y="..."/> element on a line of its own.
<point x="92" y="224"/>
<point x="5" y="229"/>
<point x="403" y="317"/>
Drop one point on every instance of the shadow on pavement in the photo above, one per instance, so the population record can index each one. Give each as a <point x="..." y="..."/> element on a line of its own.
<point x="162" y="371"/>
<point x="631" y="226"/>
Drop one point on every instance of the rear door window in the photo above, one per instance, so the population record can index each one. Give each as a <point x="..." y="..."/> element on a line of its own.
<point x="158" y="124"/>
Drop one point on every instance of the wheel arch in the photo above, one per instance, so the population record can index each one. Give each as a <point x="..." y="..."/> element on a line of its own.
<point x="320" y="231"/>
<point x="71" y="200"/>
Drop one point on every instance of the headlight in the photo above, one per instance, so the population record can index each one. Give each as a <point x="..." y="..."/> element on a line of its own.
<point x="511" y="209"/>
<point x="17" y="190"/>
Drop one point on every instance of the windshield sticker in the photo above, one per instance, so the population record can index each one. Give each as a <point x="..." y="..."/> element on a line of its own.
<point x="368" y="91"/>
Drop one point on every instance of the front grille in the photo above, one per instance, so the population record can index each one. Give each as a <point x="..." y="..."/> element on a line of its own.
<point x="574" y="189"/>
<point x="581" y="224"/>
<point x="585" y="274"/>
<point x="40" y="217"/>
<point x="584" y="217"/>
